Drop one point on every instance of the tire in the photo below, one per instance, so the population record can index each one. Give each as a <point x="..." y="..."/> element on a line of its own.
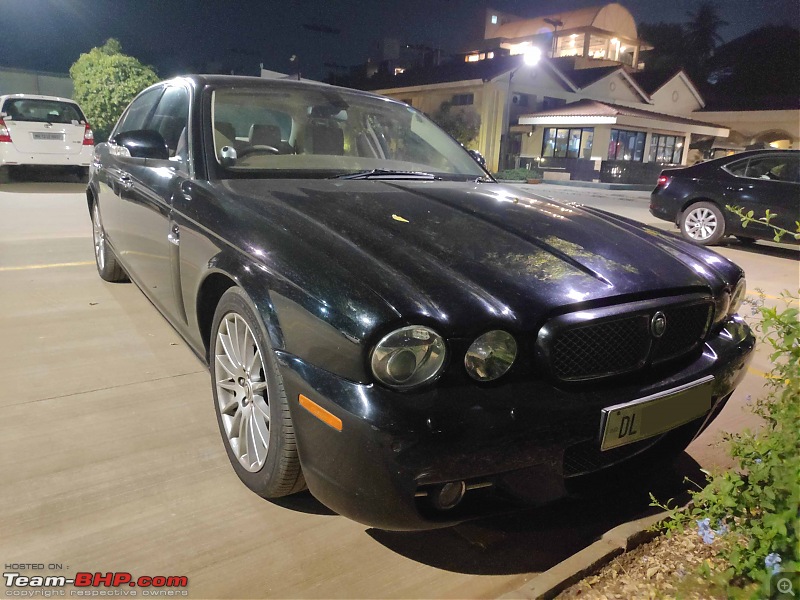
<point x="746" y="241"/>
<point x="252" y="400"/>
<point x="107" y="266"/>
<point x="703" y="223"/>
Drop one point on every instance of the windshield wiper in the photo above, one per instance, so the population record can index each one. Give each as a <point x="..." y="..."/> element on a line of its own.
<point x="386" y="174"/>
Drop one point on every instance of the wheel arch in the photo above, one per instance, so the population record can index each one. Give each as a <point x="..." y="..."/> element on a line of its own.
<point x="223" y="274"/>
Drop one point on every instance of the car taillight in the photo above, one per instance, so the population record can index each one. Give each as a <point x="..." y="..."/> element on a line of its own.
<point x="88" y="136"/>
<point x="663" y="180"/>
<point x="5" y="135"/>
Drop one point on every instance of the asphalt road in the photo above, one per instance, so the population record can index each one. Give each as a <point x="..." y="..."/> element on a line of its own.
<point x="110" y="457"/>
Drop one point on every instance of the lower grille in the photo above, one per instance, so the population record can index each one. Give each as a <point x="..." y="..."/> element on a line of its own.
<point x="622" y="339"/>
<point x="586" y="457"/>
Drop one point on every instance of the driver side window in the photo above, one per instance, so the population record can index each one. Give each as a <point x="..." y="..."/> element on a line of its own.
<point x="170" y="119"/>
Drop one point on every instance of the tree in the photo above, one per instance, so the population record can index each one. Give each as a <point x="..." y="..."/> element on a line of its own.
<point x="106" y="80"/>
<point x="463" y="125"/>
<point x="702" y="33"/>
<point x="669" y="51"/>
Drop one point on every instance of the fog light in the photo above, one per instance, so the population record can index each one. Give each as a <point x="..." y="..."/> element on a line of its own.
<point x="448" y="495"/>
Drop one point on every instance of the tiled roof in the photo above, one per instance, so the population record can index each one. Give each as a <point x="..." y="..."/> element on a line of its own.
<point x="581" y="78"/>
<point x="595" y="108"/>
<point x="651" y="81"/>
<point x="456" y="70"/>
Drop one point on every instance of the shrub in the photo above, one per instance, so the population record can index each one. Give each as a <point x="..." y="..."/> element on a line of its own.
<point x="521" y="174"/>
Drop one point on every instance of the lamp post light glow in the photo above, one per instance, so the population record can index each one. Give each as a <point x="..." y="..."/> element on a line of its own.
<point x="532" y="55"/>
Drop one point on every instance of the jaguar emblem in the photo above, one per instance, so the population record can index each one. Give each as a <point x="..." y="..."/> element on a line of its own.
<point x="658" y="324"/>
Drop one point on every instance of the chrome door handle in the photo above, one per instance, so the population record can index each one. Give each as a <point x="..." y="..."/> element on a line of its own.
<point x="174" y="236"/>
<point x="126" y="182"/>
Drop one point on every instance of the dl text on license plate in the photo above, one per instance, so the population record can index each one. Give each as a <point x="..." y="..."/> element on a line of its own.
<point x="646" y="417"/>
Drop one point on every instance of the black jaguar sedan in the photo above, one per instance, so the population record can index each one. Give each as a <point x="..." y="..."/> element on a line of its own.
<point x="385" y="324"/>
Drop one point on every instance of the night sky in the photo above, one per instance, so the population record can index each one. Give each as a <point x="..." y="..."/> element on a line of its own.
<point x="180" y="36"/>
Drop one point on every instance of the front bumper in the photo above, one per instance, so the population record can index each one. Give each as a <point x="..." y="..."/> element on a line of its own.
<point x="522" y="441"/>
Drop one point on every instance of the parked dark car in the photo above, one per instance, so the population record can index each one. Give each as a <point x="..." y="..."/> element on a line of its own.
<point x="384" y="323"/>
<point x="694" y="198"/>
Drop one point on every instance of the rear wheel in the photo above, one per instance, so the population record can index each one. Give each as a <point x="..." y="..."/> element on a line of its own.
<point x="250" y="401"/>
<point x="107" y="266"/>
<point x="703" y="223"/>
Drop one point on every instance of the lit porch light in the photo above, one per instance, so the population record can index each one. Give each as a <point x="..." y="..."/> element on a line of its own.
<point x="532" y="55"/>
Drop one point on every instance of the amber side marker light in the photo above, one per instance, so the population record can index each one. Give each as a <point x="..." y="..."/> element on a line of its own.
<point x="323" y="415"/>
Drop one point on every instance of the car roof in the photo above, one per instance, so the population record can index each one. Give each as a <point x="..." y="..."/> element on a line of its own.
<point x="36" y="97"/>
<point x="201" y="81"/>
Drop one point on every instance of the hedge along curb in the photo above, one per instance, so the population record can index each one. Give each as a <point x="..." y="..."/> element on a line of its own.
<point x="620" y="539"/>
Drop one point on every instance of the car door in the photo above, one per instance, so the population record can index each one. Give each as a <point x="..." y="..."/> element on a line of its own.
<point x="113" y="174"/>
<point x="152" y="236"/>
<point x="767" y="182"/>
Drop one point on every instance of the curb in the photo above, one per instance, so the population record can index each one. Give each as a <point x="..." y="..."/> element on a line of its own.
<point x="620" y="539"/>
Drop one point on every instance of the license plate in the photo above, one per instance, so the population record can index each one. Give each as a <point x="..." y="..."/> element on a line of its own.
<point x="56" y="137"/>
<point x="640" y="419"/>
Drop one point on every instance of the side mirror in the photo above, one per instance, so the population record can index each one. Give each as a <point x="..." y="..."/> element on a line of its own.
<point x="478" y="157"/>
<point x="143" y="143"/>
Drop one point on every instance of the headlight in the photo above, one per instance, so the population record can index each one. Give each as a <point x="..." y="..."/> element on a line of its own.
<point x="408" y="357"/>
<point x="737" y="297"/>
<point x="491" y="355"/>
<point x="721" y="305"/>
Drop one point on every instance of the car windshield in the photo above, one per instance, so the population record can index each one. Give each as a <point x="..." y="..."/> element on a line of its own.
<point x="42" y="111"/>
<point x="321" y="131"/>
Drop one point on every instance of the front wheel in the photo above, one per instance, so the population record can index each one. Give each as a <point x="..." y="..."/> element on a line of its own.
<point x="703" y="223"/>
<point x="250" y="401"/>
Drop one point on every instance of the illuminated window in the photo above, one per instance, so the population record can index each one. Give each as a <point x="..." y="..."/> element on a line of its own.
<point x="567" y="143"/>
<point x="597" y="46"/>
<point x="472" y="58"/>
<point x="490" y="55"/>
<point x="398" y="70"/>
<point x="626" y="145"/>
<point x="494" y="19"/>
<point x="570" y="45"/>
<point x="666" y="149"/>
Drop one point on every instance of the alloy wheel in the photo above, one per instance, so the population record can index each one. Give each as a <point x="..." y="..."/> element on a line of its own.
<point x="242" y="397"/>
<point x="701" y="223"/>
<point x="99" y="238"/>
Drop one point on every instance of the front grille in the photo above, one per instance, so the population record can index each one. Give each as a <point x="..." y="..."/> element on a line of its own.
<point x="600" y="349"/>
<point x="686" y="326"/>
<point x="616" y="340"/>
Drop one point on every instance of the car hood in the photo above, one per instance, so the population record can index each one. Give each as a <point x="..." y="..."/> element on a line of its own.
<point x="462" y="253"/>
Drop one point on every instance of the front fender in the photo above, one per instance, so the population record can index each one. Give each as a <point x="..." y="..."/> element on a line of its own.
<point x="296" y="322"/>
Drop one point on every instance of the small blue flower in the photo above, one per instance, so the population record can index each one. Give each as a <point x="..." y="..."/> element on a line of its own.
<point x="708" y="537"/>
<point x="722" y="528"/>
<point x="773" y="561"/>
<point x="703" y="524"/>
<point x="758" y="461"/>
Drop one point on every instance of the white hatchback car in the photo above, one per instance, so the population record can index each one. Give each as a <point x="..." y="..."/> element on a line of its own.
<point x="43" y="130"/>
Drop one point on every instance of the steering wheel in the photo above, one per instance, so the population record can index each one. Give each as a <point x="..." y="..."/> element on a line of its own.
<point x="258" y="148"/>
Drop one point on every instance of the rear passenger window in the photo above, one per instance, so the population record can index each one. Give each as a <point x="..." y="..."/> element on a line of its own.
<point x="737" y="168"/>
<point x="775" y="168"/>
